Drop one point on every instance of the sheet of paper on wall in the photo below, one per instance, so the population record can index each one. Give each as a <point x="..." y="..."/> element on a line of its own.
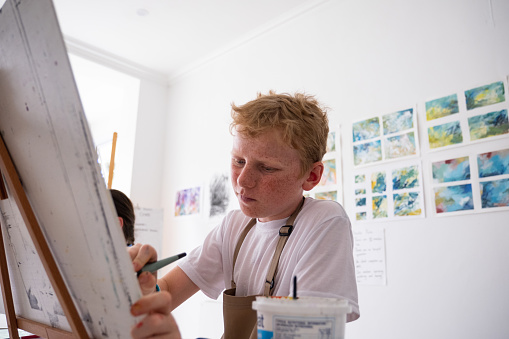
<point x="471" y="115"/>
<point x="47" y="135"/>
<point x="330" y="186"/>
<point x="385" y="138"/>
<point x="388" y="192"/>
<point x="148" y="227"/>
<point x="369" y="256"/>
<point x="220" y="194"/>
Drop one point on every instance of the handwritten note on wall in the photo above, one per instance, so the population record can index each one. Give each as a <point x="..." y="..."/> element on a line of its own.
<point x="369" y="256"/>
<point x="148" y="228"/>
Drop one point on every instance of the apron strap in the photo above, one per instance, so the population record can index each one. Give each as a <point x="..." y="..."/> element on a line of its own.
<point x="243" y="235"/>
<point x="284" y="233"/>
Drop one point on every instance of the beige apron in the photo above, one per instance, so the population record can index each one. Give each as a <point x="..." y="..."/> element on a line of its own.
<point x="238" y="315"/>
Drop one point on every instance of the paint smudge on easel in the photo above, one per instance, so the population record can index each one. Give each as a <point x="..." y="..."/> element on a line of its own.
<point x="34" y="303"/>
<point x="53" y="319"/>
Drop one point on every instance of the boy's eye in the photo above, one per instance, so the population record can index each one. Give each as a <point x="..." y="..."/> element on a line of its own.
<point x="238" y="162"/>
<point x="268" y="169"/>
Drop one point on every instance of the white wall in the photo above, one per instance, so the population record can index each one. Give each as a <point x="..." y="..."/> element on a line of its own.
<point x="447" y="277"/>
<point x="146" y="145"/>
<point x="149" y="144"/>
<point x="111" y="106"/>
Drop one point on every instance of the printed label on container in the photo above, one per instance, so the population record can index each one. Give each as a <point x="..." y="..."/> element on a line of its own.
<point x="303" y="327"/>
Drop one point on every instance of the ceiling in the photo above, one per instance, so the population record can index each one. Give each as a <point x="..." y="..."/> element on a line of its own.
<point x="170" y="37"/>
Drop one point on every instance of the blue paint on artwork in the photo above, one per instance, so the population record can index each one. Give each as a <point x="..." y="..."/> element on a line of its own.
<point x="380" y="207"/>
<point x="453" y="198"/>
<point x="366" y="129"/>
<point x="400" y="146"/>
<point x="407" y="177"/>
<point x="493" y="163"/>
<point x="442" y="107"/>
<point x="406" y="204"/>
<point x="445" y="135"/>
<point x="485" y="95"/>
<point x="398" y="121"/>
<point x="378" y="184"/>
<point x="488" y="125"/>
<point x="360" y="216"/>
<point x="495" y="193"/>
<point x="451" y="170"/>
<point x="367" y="153"/>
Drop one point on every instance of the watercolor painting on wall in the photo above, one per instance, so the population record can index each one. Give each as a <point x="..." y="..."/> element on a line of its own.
<point x="366" y="129"/>
<point x="442" y="107"/>
<point x="187" y="201"/>
<point x="451" y="170"/>
<point x="331" y="142"/>
<point x="481" y="116"/>
<point x="331" y="183"/>
<point x="485" y="95"/>
<point x="471" y="183"/>
<point x="387" y="137"/>
<point x="454" y="198"/>
<point x="367" y="153"/>
<point x="389" y="192"/>
<point x="329" y="173"/>
<point x="493" y="163"/>
<point x="400" y="146"/>
<point x="494" y="193"/>
<point x="488" y="125"/>
<point x="329" y="195"/>
<point x="445" y="135"/>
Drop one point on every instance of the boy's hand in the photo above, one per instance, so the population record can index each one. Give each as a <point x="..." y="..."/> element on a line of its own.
<point x="158" y="321"/>
<point x="141" y="255"/>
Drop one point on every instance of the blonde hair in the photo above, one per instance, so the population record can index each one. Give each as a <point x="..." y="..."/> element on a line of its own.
<point x="301" y="119"/>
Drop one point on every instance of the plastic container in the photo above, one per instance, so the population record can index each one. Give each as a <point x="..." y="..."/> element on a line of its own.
<point x="302" y="318"/>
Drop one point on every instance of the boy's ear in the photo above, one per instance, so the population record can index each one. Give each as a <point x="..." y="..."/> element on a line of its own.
<point x="121" y="222"/>
<point x="314" y="176"/>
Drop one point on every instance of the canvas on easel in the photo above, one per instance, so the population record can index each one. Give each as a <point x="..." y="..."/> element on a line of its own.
<point x="47" y="137"/>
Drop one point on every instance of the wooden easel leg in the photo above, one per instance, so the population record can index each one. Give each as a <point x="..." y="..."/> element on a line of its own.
<point x="4" y="276"/>
<point x="12" y="181"/>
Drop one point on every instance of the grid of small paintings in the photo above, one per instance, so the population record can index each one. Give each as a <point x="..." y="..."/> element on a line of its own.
<point x="389" y="192"/>
<point x="330" y="186"/>
<point x="471" y="182"/>
<point x="476" y="115"/>
<point x="391" y="136"/>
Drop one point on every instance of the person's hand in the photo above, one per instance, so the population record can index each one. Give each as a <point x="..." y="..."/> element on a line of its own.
<point x="158" y="322"/>
<point x="141" y="255"/>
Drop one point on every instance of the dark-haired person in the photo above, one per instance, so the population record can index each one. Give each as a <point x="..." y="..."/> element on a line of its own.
<point x="125" y="212"/>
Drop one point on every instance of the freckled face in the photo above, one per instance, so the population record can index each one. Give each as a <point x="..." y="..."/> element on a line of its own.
<point x="265" y="176"/>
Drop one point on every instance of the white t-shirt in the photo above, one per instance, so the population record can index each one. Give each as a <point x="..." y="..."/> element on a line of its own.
<point x="319" y="252"/>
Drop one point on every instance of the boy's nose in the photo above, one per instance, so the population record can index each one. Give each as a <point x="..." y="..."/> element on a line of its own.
<point x="247" y="178"/>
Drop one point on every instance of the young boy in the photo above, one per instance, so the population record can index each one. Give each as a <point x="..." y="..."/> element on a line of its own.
<point x="278" y="144"/>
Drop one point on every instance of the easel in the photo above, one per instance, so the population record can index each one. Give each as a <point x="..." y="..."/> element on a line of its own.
<point x="14" y="322"/>
<point x="112" y="160"/>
